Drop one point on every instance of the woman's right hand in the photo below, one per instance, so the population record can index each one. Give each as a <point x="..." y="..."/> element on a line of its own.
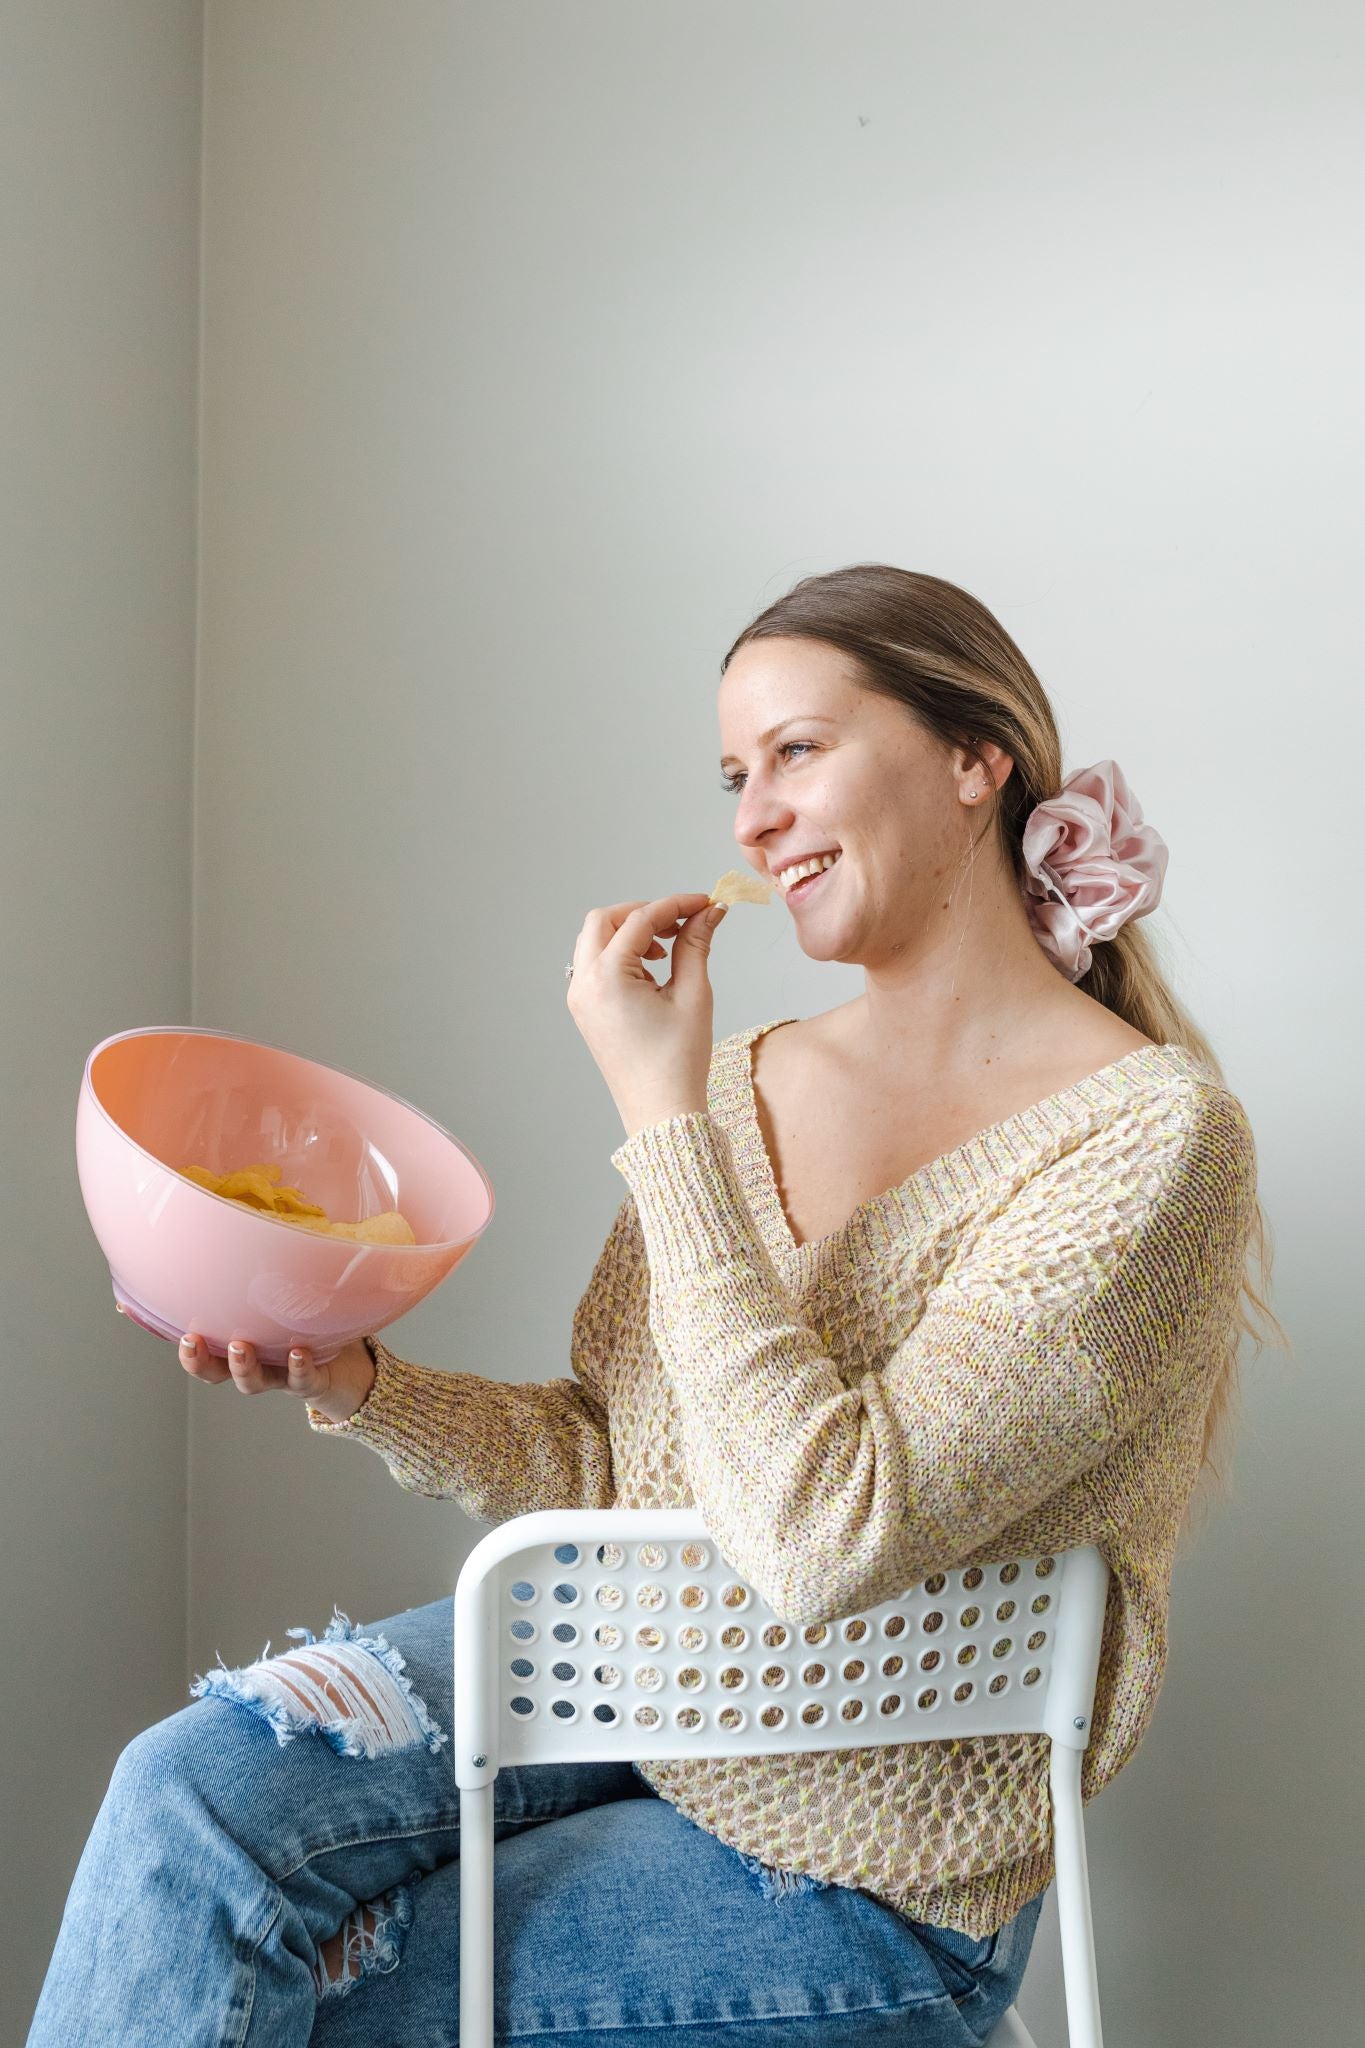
<point x="336" y="1389"/>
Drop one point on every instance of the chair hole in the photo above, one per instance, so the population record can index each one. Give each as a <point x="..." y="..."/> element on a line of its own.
<point x="851" y="1710"/>
<point x="854" y="1631"/>
<point x="930" y="1660"/>
<point x="1005" y="1611"/>
<point x="564" y="1710"/>
<point x="962" y="1693"/>
<point x="693" y="1597"/>
<point x="1000" y="1682"/>
<point x="1044" y="1567"/>
<point x="774" y="1636"/>
<point x="734" y="1596"/>
<point x="894" y="1625"/>
<point x="1042" y="1603"/>
<point x="774" y="1675"/>
<point x="606" y="1713"/>
<point x="1008" y="1574"/>
<point x="812" y="1714"/>
<point x="695" y="1557"/>
<point x="564" y="1632"/>
<point x="969" y="1617"/>
<point x="817" y="1633"/>
<point x="647" y="1637"/>
<point x="773" y="1717"/>
<point x="931" y="1622"/>
<point x="646" y="1717"/>
<point x="688" y="1718"/>
<point x="934" y="1584"/>
<point x="892" y="1666"/>
<point x="734" y="1638"/>
<point x="651" y="1597"/>
<point x="967" y="1654"/>
<point x="692" y="1639"/>
<point x="733" y="1678"/>
<point x="567" y="1674"/>
<point x="609" y="1596"/>
<point x="567" y="1553"/>
<point x="731" y="1719"/>
<point x="610" y="1556"/>
<point x="648" y="1677"/>
<point x="1037" y="1639"/>
<point x="522" y="1667"/>
<point x="523" y="1631"/>
<point x="607" y="1674"/>
<point x="854" y="1670"/>
<point x="651" y="1557"/>
<point x="521" y="1706"/>
<point x="522" y="1590"/>
<point x="891" y="1704"/>
<point x="815" y="1674"/>
<point x="927" y="1699"/>
<point x="972" y="1579"/>
<point x="1032" y="1675"/>
<point x="1002" y="1647"/>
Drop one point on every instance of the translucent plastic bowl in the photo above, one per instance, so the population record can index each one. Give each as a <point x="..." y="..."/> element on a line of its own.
<point x="180" y="1258"/>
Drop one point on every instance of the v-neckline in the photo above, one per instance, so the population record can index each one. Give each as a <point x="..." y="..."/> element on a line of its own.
<point x="932" y="1187"/>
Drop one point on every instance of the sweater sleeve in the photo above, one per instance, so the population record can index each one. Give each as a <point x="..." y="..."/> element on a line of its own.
<point x="1066" y="1313"/>
<point x="498" y="1449"/>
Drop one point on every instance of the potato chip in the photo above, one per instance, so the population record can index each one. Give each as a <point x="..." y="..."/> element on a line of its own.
<point x="256" y="1187"/>
<point x="734" y="887"/>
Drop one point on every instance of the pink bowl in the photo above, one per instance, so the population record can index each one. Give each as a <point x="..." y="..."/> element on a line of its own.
<point x="180" y="1258"/>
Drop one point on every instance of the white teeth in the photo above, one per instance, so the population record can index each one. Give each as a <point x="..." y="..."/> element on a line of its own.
<point x="789" y="877"/>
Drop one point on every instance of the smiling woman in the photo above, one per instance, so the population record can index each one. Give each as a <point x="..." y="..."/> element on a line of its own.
<point x="947" y="1274"/>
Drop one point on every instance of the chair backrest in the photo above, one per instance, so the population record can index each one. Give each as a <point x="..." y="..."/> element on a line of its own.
<point x="620" y="1634"/>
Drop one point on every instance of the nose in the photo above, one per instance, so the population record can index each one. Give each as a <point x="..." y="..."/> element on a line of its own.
<point x="761" y="816"/>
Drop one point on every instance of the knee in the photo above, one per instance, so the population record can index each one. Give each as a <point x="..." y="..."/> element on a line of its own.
<point x="350" y="1688"/>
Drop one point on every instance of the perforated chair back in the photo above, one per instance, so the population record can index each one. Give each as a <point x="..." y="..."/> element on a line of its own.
<point x="621" y="1634"/>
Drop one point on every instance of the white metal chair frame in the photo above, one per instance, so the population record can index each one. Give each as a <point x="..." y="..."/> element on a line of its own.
<point x="621" y="1634"/>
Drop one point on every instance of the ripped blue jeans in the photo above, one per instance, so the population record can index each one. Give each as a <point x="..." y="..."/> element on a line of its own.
<point x="278" y="1863"/>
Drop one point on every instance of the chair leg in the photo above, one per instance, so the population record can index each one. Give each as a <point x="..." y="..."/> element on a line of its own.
<point x="476" y="1916"/>
<point x="1073" y="1901"/>
<point x="1011" y="2032"/>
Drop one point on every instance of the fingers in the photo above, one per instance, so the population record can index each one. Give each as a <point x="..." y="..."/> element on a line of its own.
<point x="637" y="927"/>
<point x="302" y="1376"/>
<point x="199" y="1361"/>
<point x="249" y="1375"/>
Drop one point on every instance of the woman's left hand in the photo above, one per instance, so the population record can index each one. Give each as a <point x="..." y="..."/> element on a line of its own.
<point x="651" y="1040"/>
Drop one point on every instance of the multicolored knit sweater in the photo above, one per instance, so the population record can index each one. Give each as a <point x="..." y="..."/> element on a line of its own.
<point x="1010" y="1353"/>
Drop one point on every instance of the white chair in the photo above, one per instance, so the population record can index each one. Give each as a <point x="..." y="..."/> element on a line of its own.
<point x="621" y="1634"/>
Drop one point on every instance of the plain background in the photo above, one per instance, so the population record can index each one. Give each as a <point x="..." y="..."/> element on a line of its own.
<point x="404" y="407"/>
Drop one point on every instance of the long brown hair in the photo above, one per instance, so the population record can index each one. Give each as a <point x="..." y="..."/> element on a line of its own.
<point x="939" y="652"/>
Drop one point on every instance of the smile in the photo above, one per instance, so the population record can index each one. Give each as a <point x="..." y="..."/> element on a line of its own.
<point x="799" y="891"/>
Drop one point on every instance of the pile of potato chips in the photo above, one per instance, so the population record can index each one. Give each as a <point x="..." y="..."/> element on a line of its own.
<point x="257" y="1187"/>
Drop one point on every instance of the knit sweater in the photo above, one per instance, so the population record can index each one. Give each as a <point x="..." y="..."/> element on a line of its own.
<point x="1011" y="1352"/>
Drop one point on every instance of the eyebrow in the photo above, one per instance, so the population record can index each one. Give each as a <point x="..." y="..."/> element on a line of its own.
<point x="808" y="718"/>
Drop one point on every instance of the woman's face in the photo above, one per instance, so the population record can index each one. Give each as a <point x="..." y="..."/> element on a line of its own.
<point x="849" y="772"/>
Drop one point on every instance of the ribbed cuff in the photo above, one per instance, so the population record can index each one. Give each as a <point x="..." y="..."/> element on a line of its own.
<point x="385" y="1417"/>
<point x="688" y="1196"/>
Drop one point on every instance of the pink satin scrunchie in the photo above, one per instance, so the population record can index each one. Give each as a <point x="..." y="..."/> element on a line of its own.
<point x="1092" y="864"/>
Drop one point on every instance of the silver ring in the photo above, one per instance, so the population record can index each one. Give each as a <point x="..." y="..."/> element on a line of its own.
<point x="568" y="974"/>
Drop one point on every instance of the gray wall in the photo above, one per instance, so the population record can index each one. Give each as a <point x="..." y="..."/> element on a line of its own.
<point x="540" y="347"/>
<point x="99" y="256"/>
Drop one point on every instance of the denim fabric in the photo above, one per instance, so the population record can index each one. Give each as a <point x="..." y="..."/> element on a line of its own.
<point x="222" y="1858"/>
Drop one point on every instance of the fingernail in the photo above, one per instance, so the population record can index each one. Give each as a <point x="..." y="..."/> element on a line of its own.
<point x="236" y="1351"/>
<point x="716" y="913"/>
<point x="190" y="1344"/>
<point x="296" y="1358"/>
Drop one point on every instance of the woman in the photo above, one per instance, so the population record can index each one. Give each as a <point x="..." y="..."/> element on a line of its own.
<point x="947" y="1273"/>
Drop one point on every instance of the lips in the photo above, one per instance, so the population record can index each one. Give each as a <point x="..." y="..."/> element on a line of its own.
<point x="801" y="890"/>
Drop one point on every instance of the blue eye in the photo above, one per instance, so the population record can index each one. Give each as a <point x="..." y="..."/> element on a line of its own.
<point x="733" y="782"/>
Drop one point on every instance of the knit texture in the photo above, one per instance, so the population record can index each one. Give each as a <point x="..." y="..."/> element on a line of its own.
<point x="1011" y="1352"/>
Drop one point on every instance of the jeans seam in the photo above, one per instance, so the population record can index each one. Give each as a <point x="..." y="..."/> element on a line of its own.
<point x="560" y="2032"/>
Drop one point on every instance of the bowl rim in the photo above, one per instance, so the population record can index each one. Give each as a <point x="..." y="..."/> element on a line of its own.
<point x="244" y="1208"/>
